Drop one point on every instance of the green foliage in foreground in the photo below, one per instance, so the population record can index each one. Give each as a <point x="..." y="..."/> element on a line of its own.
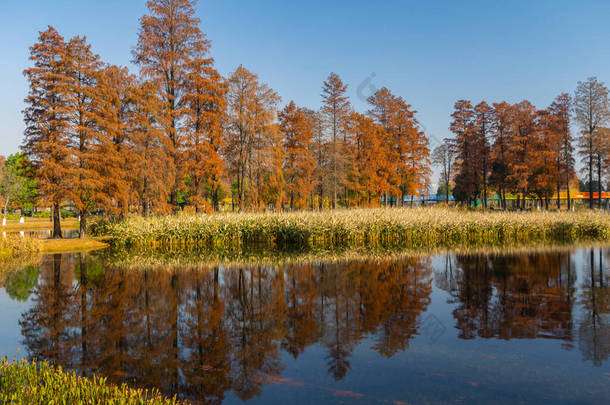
<point x="400" y="227"/>
<point x="27" y="382"/>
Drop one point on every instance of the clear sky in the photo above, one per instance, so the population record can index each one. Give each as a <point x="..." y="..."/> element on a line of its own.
<point x="430" y="52"/>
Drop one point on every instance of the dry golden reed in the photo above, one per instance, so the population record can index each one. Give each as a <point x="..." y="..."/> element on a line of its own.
<point x="396" y="227"/>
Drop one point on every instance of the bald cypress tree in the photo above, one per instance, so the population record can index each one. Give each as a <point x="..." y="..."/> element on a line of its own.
<point x="336" y="109"/>
<point x="591" y="111"/>
<point x="47" y="141"/>
<point x="86" y="142"/>
<point x="169" y="41"/>
<point x="205" y="106"/>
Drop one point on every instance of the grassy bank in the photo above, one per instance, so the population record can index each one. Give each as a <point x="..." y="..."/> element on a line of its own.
<point x="71" y="245"/>
<point x="27" y="382"/>
<point x="37" y="224"/>
<point x="404" y="227"/>
<point x="12" y="247"/>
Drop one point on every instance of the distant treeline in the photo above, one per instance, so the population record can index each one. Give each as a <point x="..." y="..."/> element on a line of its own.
<point x="525" y="151"/>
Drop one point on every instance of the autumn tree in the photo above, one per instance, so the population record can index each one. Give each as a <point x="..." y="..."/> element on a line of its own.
<point x="373" y="168"/>
<point x="443" y="156"/>
<point x="602" y="159"/>
<point x="521" y="147"/>
<point x="544" y="174"/>
<point x="252" y="138"/>
<point x="86" y="142"/>
<point x="149" y="149"/>
<point x="407" y="145"/>
<point x="169" y="41"/>
<point x="297" y="132"/>
<point x="603" y="156"/>
<point x="336" y="108"/>
<point x="591" y="112"/>
<point x="319" y="148"/>
<point x="46" y="142"/>
<point x="117" y="99"/>
<point x="205" y="107"/>
<point x="560" y="109"/>
<point x="483" y="114"/>
<point x="501" y="136"/>
<point x="467" y="177"/>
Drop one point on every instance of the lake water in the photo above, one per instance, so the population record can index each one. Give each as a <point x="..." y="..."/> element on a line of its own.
<point x="43" y="234"/>
<point x="531" y="328"/>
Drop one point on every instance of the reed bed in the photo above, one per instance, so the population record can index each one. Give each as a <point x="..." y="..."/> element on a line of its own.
<point x="18" y="247"/>
<point x="396" y="227"/>
<point x="26" y="382"/>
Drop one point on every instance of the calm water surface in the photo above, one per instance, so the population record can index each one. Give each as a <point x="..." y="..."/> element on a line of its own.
<point x="44" y="234"/>
<point x="474" y="329"/>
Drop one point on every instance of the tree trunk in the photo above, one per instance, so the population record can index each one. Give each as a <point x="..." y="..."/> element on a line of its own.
<point x="590" y="179"/>
<point x="56" y="220"/>
<point x="320" y="198"/>
<point x="558" y="198"/>
<point x="599" y="181"/>
<point x="484" y="184"/>
<point x="568" y="191"/>
<point x="83" y="225"/>
<point x="5" y="208"/>
<point x="215" y="199"/>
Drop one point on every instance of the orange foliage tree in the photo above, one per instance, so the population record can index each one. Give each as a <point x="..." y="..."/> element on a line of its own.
<point x="47" y="141"/>
<point x="205" y="107"/>
<point x="169" y="43"/>
<point x="252" y="137"/>
<point x="336" y="109"/>
<point x="297" y="131"/>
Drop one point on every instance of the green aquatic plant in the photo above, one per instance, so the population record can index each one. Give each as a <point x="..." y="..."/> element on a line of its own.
<point x="30" y="382"/>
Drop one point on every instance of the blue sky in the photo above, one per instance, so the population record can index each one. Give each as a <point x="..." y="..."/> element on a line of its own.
<point x="430" y="52"/>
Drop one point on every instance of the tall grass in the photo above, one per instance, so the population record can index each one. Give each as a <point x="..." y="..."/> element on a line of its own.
<point x="17" y="246"/>
<point x="404" y="227"/>
<point x="27" y="382"/>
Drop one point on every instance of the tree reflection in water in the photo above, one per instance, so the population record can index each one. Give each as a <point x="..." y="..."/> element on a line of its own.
<point x="507" y="297"/>
<point x="203" y="332"/>
<point x="594" y="327"/>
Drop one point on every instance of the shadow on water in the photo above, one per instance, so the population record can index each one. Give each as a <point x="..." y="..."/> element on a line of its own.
<point x="332" y="330"/>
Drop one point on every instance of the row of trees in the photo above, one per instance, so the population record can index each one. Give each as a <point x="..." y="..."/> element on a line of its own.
<point x="526" y="151"/>
<point x="179" y="134"/>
